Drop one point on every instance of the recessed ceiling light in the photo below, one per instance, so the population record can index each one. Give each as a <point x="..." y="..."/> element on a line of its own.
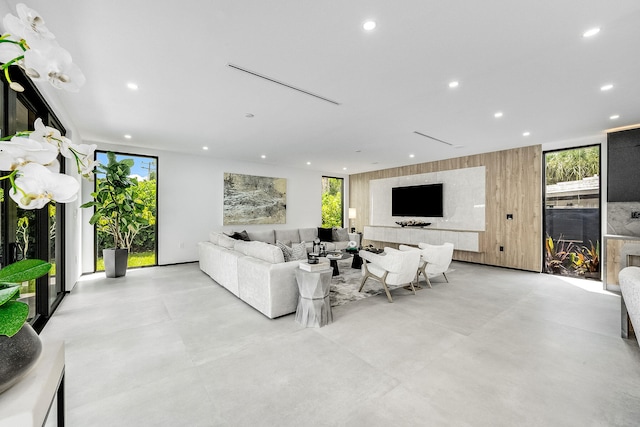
<point x="344" y="169"/>
<point x="590" y="33"/>
<point x="249" y="115"/>
<point x="205" y="148"/>
<point x="614" y="117"/>
<point x="498" y="114"/>
<point x="132" y="86"/>
<point x="263" y="157"/>
<point x="127" y="136"/>
<point x="606" y="87"/>
<point x="369" y="25"/>
<point x="527" y="133"/>
<point x="412" y="155"/>
<point x="454" y="84"/>
<point x="308" y="163"/>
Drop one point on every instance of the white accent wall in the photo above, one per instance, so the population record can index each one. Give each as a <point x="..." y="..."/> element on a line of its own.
<point x="463" y="198"/>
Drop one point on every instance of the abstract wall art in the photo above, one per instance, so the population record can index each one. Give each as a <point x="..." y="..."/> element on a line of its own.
<point x="250" y="199"/>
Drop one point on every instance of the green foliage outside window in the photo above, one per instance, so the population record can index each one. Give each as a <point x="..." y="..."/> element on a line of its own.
<point x="332" y="208"/>
<point x="572" y="165"/>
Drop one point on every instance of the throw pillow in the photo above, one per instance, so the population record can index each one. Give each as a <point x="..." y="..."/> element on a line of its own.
<point x="340" y="235"/>
<point x="286" y="250"/>
<point x="297" y="252"/>
<point x="325" y="234"/>
<point x="242" y="235"/>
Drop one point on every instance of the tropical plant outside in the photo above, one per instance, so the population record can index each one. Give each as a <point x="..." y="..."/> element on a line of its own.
<point x="332" y="209"/>
<point x="572" y="165"/>
<point x="567" y="258"/>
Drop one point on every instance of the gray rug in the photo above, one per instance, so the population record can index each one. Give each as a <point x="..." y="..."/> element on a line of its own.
<point x="344" y="287"/>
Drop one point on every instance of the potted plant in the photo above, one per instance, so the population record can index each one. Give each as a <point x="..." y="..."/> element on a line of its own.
<point x="20" y="346"/>
<point x="118" y="211"/>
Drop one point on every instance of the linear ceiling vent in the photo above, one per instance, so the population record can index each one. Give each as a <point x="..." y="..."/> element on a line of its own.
<point x="431" y="137"/>
<point x="272" y="80"/>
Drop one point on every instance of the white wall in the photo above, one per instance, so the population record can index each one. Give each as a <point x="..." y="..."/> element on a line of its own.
<point x="190" y="201"/>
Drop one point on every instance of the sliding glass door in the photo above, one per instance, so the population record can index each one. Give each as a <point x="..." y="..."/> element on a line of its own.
<point x="144" y="249"/>
<point x="31" y="234"/>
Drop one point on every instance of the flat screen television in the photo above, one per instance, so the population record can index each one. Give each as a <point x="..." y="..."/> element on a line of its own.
<point x="417" y="200"/>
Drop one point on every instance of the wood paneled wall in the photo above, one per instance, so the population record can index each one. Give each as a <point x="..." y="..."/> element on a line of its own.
<point x="513" y="186"/>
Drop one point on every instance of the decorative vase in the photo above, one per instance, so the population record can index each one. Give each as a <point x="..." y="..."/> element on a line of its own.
<point x="115" y="262"/>
<point x="18" y="354"/>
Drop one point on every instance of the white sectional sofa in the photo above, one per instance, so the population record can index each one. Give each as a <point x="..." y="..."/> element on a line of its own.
<point x="255" y="271"/>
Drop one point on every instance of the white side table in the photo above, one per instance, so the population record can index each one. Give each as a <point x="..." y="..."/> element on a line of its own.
<point x="314" y="306"/>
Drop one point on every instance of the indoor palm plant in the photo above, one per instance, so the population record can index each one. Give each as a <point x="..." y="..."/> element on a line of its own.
<point x="118" y="211"/>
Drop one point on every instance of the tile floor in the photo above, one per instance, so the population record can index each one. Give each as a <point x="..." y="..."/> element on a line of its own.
<point x="167" y="346"/>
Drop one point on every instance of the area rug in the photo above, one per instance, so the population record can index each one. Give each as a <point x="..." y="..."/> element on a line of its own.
<point x="344" y="287"/>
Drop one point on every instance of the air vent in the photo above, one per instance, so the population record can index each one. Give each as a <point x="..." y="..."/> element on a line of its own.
<point x="272" y="80"/>
<point x="431" y="137"/>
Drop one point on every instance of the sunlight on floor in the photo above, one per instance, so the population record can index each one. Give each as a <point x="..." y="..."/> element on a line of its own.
<point x="594" y="286"/>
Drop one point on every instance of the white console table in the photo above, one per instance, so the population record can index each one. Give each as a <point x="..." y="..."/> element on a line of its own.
<point x="28" y="403"/>
<point x="462" y="240"/>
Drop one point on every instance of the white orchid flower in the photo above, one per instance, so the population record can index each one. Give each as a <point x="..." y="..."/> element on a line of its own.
<point x="87" y="168"/>
<point x="20" y="151"/>
<point x="53" y="166"/>
<point x="81" y="153"/>
<point x="44" y="133"/>
<point x="36" y="186"/>
<point x="54" y="65"/>
<point x="28" y="25"/>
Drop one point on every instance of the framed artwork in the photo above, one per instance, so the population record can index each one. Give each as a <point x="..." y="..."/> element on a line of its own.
<point x="250" y="199"/>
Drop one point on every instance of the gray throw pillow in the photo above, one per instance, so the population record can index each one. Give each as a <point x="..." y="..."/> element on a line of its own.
<point x="298" y="251"/>
<point x="340" y="235"/>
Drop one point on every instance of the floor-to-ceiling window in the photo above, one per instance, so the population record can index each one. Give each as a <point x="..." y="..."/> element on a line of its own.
<point x="28" y="234"/>
<point x="144" y="249"/>
<point x="572" y="212"/>
<point x="332" y="202"/>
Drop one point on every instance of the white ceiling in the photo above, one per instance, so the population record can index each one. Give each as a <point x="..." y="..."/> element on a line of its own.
<point x="527" y="59"/>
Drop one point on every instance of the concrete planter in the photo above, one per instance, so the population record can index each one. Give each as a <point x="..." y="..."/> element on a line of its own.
<point x="115" y="262"/>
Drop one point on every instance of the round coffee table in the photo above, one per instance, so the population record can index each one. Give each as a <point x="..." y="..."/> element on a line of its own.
<point x="333" y="261"/>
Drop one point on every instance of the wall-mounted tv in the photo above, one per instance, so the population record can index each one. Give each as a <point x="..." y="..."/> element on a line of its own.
<point x="417" y="200"/>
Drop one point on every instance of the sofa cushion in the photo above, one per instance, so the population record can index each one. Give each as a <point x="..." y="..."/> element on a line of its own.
<point x="340" y="235"/>
<point x="325" y="234"/>
<point x="308" y="234"/>
<point x="298" y="251"/>
<point x="291" y="235"/>
<point x="262" y="236"/>
<point x="261" y="250"/>
<point x="214" y="236"/>
<point x="226" y="241"/>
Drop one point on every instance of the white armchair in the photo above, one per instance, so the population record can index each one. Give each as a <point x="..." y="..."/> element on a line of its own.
<point x="435" y="260"/>
<point x="393" y="267"/>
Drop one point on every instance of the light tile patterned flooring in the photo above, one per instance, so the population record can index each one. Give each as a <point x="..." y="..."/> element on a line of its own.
<point x="167" y="346"/>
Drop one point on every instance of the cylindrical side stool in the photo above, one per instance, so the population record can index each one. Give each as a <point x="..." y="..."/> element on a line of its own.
<point x="314" y="306"/>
